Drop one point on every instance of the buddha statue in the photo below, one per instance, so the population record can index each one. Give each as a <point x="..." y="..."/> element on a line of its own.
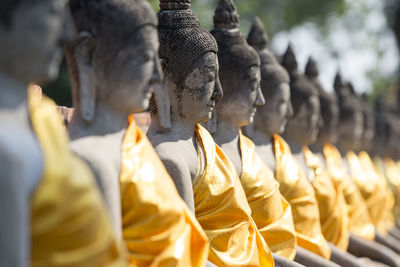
<point x="44" y="188"/>
<point x="302" y="131"/>
<point x="111" y="80"/>
<point x="240" y="79"/>
<point x="350" y="131"/>
<point x="205" y="177"/>
<point x="271" y="119"/>
<point x="380" y="191"/>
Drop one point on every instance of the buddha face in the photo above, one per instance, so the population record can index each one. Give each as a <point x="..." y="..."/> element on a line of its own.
<point x="241" y="98"/>
<point x="32" y="44"/>
<point x="303" y="126"/>
<point x="368" y="132"/>
<point x="195" y="99"/>
<point x="272" y="117"/>
<point x="350" y="129"/>
<point x="330" y="120"/>
<point x="124" y="79"/>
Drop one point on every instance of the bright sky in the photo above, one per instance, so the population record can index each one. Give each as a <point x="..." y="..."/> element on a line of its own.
<point x="355" y="47"/>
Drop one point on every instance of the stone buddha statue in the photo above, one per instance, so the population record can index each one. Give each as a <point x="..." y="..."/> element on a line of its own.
<point x="111" y="80"/>
<point x="44" y="188"/>
<point x="240" y="79"/>
<point x="350" y="131"/>
<point x="302" y="131"/>
<point x="205" y="177"/>
<point x="329" y="111"/>
<point x="382" y="213"/>
<point x="271" y="119"/>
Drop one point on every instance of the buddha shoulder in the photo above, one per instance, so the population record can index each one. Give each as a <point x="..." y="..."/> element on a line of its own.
<point x="14" y="163"/>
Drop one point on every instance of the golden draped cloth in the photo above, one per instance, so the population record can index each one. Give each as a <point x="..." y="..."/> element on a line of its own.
<point x="69" y="223"/>
<point x="157" y="227"/>
<point x="222" y="209"/>
<point x="359" y="221"/>
<point x="296" y="188"/>
<point x="368" y="184"/>
<point x="332" y="205"/>
<point x="269" y="209"/>
<point x="393" y="175"/>
<point x="389" y="220"/>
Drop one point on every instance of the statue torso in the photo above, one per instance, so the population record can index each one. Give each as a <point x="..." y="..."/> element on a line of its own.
<point x="180" y="158"/>
<point x="103" y="155"/>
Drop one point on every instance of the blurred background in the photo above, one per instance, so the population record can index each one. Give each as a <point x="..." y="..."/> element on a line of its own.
<point x="358" y="37"/>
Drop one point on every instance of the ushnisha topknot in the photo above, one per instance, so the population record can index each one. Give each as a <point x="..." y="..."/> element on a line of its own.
<point x="289" y="60"/>
<point x="311" y="68"/>
<point x="182" y="40"/>
<point x="226" y="16"/>
<point x="329" y="104"/>
<point x="300" y="87"/>
<point x="234" y="53"/>
<point x="99" y="17"/>
<point x="257" y="36"/>
<point x="272" y="73"/>
<point x="340" y="88"/>
<point x="348" y="102"/>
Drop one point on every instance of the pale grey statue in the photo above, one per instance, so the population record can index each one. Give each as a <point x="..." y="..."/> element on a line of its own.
<point x="110" y="81"/>
<point x="31" y="34"/>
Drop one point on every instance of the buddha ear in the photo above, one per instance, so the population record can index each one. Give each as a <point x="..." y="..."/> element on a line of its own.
<point x="161" y="98"/>
<point x="84" y="48"/>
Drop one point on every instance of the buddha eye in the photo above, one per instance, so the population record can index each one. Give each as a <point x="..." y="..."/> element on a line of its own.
<point x="211" y="76"/>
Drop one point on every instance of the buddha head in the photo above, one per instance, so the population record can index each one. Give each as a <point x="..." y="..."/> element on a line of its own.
<point x="350" y="126"/>
<point x="272" y="117"/>
<point x="329" y="106"/>
<point x="188" y="55"/>
<point x="113" y="61"/>
<point x="369" y="123"/>
<point x="386" y="139"/>
<point x="239" y="68"/>
<point x="32" y="33"/>
<point x="304" y="125"/>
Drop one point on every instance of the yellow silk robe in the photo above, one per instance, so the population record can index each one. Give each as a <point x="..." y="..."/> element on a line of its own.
<point x="222" y="209"/>
<point x="379" y="167"/>
<point x="157" y="226"/>
<point x="296" y="188"/>
<point x="269" y="209"/>
<point x="359" y="221"/>
<point x="69" y="223"/>
<point x="332" y="205"/>
<point x="393" y="175"/>
<point x="369" y="186"/>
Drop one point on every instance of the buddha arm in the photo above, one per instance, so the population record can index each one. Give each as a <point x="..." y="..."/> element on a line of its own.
<point x="308" y="258"/>
<point x="388" y="241"/>
<point x="283" y="262"/>
<point x="360" y="247"/>
<point x="395" y="232"/>
<point x="343" y="258"/>
<point x="13" y="212"/>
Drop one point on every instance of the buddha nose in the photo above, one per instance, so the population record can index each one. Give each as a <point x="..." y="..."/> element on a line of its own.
<point x="218" y="92"/>
<point x="260" y="100"/>
<point x="157" y="76"/>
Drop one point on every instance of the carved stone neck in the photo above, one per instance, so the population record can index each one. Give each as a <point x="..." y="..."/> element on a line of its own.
<point x="264" y="148"/>
<point x="295" y="147"/>
<point x="227" y="137"/>
<point x="317" y="147"/>
<point x="226" y="133"/>
<point x="106" y="121"/>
